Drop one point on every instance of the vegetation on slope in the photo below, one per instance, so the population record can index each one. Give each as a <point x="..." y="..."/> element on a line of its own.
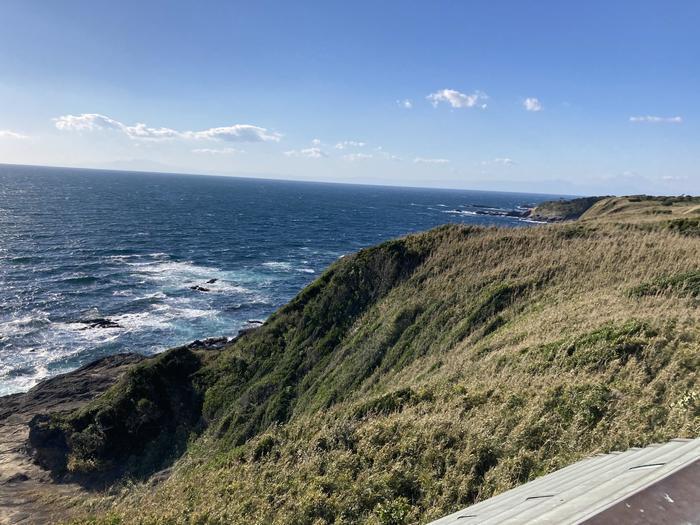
<point x="284" y="367"/>
<point x="147" y="418"/>
<point x="417" y="377"/>
<point x="674" y="213"/>
<point x="563" y="209"/>
<point x="685" y="284"/>
<point x="133" y="429"/>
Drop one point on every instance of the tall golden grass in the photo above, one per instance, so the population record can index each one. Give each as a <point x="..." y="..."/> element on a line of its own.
<point x="524" y="351"/>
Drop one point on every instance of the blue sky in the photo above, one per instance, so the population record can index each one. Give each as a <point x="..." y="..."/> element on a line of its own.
<point x="574" y="97"/>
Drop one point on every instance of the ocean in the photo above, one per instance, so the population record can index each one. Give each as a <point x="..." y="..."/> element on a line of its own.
<point x="94" y="262"/>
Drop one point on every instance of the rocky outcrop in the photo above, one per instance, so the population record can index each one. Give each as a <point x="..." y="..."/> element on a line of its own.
<point x="211" y="343"/>
<point x="134" y="430"/>
<point x="34" y="478"/>
<point x="26" y="489"/>
<point x="67" y="391"/>
<point x="99" y="322"/>
<point x="562" y="210"/>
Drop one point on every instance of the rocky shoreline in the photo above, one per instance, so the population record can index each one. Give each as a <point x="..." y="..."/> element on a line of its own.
<point x="28" y="492"/>
<point x="545" y="212"/>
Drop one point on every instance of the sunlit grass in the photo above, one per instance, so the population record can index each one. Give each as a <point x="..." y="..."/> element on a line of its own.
<point x="471" y="361"/>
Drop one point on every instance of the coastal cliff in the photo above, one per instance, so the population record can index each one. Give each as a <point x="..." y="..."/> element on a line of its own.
<point x="409" y="380"/>
<point x="562" y="210"/>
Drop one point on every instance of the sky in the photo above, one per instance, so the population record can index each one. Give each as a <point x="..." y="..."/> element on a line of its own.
<point x="594" y="97"/>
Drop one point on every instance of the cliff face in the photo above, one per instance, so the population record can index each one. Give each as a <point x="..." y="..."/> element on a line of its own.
<point x="27" y="492"/>
<point x="132" y="430"/>
<point x="416" y="377"/>
<point x="563" y="210"/>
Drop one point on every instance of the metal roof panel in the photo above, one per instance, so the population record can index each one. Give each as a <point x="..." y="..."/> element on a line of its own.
<point x="583" y="489"/>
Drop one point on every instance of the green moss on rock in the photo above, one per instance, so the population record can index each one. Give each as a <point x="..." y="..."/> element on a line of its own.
<point x="133" y="429"/>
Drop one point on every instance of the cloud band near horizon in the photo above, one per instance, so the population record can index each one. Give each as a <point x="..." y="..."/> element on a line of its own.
<point x="140" y="131"/>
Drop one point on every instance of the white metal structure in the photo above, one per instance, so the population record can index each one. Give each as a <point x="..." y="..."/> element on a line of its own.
<point x="580" y="492"/>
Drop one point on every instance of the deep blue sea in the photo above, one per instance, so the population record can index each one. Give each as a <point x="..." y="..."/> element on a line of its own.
<point x="129" y="247"/>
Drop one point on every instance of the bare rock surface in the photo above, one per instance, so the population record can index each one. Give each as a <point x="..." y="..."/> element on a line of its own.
<point x="28" y="493"/>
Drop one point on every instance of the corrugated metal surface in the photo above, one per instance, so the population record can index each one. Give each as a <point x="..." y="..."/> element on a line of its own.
<point x="582" y="490"/>
<point x="673" y="500"/>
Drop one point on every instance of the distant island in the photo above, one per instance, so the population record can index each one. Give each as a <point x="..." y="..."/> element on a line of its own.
<point x="409" y="380"/>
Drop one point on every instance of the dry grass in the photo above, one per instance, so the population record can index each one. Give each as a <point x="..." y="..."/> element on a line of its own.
<point x="643" y="209"/>
<point x="506" y="354"/>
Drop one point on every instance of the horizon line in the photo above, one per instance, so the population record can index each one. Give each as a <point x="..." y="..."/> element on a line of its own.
<point x="261" y="177"/>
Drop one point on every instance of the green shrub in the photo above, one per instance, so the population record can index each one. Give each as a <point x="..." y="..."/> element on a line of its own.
<point x="394" y="512"/>
<point x="681" y="285"/>
<point x="139" y="424"/>
<point x="686" y="226"/>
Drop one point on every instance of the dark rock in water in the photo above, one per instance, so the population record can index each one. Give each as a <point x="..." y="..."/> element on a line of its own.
<point x="199" y="288"/>
<point x="99" y="322"/>
<point x="253" y="324"/>
<point x="211" y="343"/>
<point x="211" y="281"/>
<point x="503" y="213"/>
<point x="494" y="212"/>
<point x="245" y="330"/>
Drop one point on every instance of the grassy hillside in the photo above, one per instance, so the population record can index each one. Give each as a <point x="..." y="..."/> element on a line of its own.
<point x="673" y="212"/>
<point x="416" y="377"/>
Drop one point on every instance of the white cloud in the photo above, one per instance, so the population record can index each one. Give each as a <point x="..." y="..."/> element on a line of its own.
<point x="236" y="133"/>
<point x="656" y="120"/>
<point x="350" y="144"/>
<point x="457" y="99"/>
<point x="316" y="142"/>
<point x="502" y="161"/>
<point x="7" y="134"/>
<point x="421" y="160"/>
<point x="532" y="104"/>
<point x="310" y="153"/>
<point x="406" y="103"/>
<point x="86" y="122"/>
<point x="352" y="157"/>
<point x="220" y="151"/>
<point x="140" y="131"/>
